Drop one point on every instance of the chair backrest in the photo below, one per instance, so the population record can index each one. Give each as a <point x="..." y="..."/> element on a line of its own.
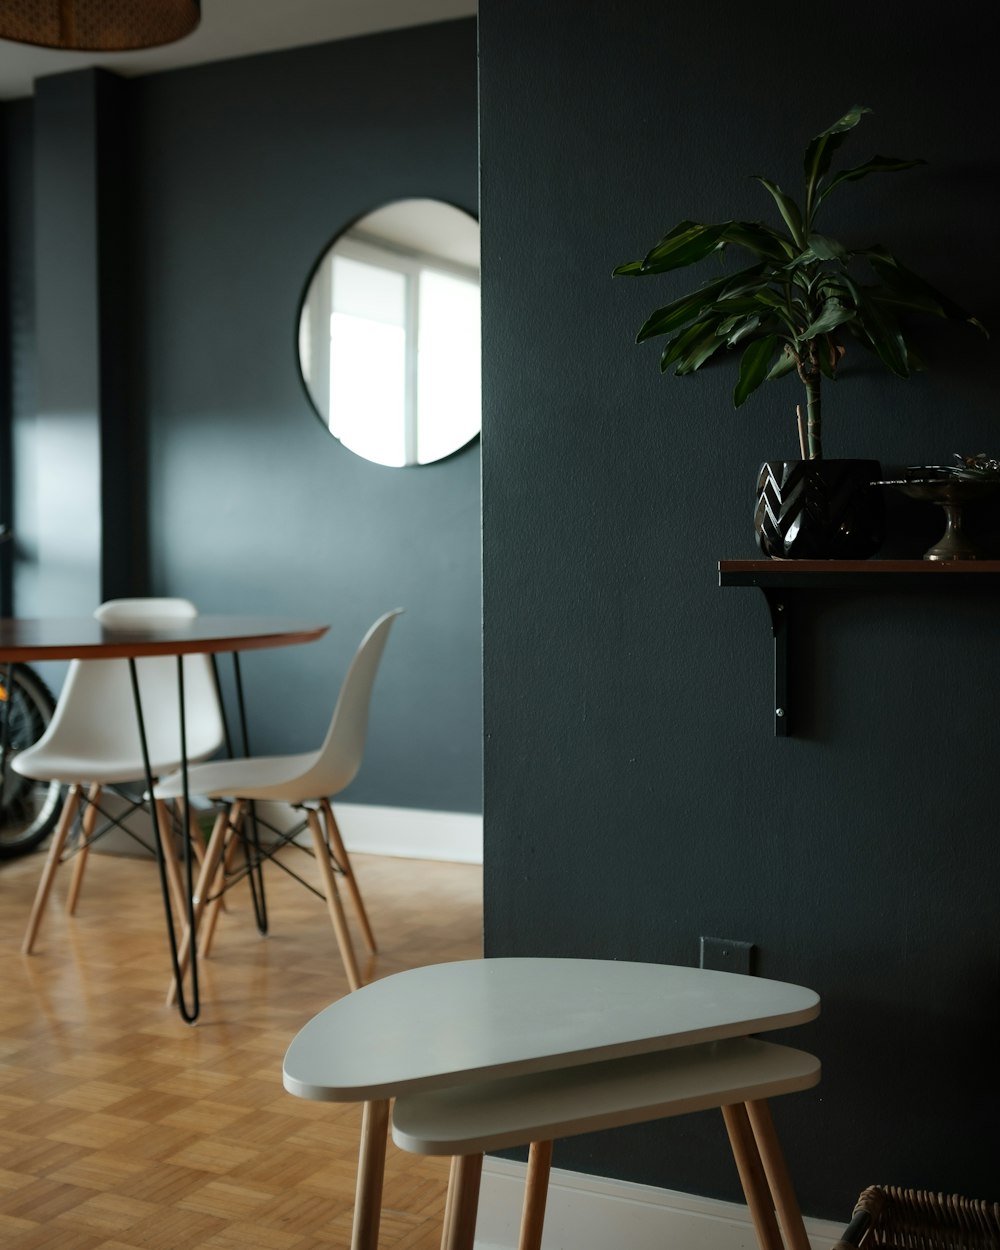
<point x="125" y="613"/>
<point x="95" y="714"/>
<point x="339" y="758"/>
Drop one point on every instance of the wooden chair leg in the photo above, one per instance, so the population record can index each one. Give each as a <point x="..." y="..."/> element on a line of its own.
<point x="68" y="815"/>
<point x="194" y="833"/>
<point x="217" y="903"/>
<point x="205" y="877"/>
<point x="334" y="905"/>
<point x="778" y="1179"/>
<point x="371" y="1171"/>
<point x="83" y="849"/>
<point x="168" y="848"/>
<point x="752" y="1177"/>
<point x="340" y="854"/>
<point x="536" y="1191"/>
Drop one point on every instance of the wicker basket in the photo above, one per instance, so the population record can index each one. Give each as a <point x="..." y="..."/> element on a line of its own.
<point x="912" y="1219"/>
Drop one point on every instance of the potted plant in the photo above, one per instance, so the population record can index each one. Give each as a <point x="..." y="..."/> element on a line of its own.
<point x="789" y="312"/>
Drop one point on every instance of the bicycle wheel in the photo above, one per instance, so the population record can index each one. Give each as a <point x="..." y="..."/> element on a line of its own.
<point x="28" y="809"/>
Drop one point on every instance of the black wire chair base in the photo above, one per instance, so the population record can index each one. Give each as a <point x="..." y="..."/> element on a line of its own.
<point x="259" y="853"/>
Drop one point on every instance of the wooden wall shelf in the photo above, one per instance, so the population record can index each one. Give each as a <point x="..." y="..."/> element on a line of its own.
<point x="779" y="580"/>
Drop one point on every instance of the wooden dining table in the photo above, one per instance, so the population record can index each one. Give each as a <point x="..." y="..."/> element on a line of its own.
<point x="26" y="641"/>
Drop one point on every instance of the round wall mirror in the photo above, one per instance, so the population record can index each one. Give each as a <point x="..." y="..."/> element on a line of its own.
<point x="389" y="334"/>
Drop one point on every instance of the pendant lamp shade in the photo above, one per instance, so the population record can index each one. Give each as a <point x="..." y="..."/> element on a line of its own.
<point x="98" y="25"/>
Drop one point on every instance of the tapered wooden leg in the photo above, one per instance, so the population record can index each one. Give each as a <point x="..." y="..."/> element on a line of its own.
<point x="212" y="856"/>
<point x="217" y="902"/>
<point x="536" y="1191"/>
<point x="371" y="1170"/>
<point x="450" y="1195"/>
<point x="334" y="905"/>
<point x="189" y="821"/>
<point x="168" y="849"/>
<point x="83" y="849"/>
<point x="69" y="811"/>
<point x="340" y="854"/>
<point x="752" y="1177"/>
<point x="463" y="1203"/>
<point x="776" y="1171"/>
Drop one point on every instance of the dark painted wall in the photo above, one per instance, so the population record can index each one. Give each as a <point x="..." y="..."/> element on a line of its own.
<point x="635" y="797"/>
<point x="18" y="401"/>
<point x="236" y="176"/>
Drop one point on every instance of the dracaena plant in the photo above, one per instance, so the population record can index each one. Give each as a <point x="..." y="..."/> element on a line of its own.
<point x="791" y="310"/>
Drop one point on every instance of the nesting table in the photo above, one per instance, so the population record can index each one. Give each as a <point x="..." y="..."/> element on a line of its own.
<point x="552" y="1028"/>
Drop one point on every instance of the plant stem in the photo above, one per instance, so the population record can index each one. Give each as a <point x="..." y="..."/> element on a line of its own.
<point x="814" y="433"/>
<point x="811" y="377"/>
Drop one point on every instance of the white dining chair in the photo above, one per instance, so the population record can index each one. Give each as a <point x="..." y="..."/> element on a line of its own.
<point x="92" y="743"/>
<point x="305" y="782"/>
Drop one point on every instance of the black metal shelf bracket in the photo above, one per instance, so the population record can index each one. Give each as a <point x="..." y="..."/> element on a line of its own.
<point x="778" y="606"/>
<point x="781" y="581"/>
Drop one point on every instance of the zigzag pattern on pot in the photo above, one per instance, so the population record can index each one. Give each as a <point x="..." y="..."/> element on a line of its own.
<point x="813" y="509"/>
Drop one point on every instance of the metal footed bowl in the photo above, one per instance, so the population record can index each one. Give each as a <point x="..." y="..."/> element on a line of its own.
<point x="950" y="491"/>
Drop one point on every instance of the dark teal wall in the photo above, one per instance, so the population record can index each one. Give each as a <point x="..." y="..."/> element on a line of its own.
<point x="635" y="797"/>
<point x="224" y="184"/>
<point x="243" y="173"/>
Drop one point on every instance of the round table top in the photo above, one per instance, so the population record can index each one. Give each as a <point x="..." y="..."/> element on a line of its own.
<point x="72" y="638"/>
<point x="451" y="1023"/>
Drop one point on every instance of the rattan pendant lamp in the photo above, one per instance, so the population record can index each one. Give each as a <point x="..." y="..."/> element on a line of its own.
<point x="98" y="25"/>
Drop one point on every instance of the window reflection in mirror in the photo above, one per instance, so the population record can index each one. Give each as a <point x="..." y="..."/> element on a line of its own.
<point x="389" y="339"/>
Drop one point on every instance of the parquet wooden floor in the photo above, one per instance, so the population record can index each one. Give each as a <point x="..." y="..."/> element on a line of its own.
<point x="123" y="1128"/>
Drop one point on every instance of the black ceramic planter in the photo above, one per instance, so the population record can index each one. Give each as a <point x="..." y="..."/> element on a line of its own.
<point x="819" y="509"/>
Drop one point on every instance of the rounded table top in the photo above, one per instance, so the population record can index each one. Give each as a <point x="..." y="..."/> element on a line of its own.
<point x="71" y="638"/>
<point x="448" y="1023"/>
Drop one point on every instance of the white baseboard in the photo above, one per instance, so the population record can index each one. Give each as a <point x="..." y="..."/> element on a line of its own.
<point x="593" y="1213"/>
<point x="411" y="833"/>
<point x="405" y="832"/>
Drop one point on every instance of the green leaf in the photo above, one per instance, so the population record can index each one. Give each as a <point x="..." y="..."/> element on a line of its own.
<point x="839" y="285"/>
<point x="788" y="208"/>
<point x="904" y="282"/>
<point x="770" y="298"/>
<point x="884" y="333"/>
<point x="825" y="248"/>
<point x="687" y="307"/>
<point x="733" y="310"/>
<point x="699" y="351"/>
<point x="634" y="268"/>
<point x="877" y="165"/>
<point x="683" y="247"/>
<point x="754" y="365"/>
<point x="833" y="314"/>
<point x="737" y="333"/>
<point x="747" y="283"/>
<point x="785" y="363"/>
<point x="904" y="303"/>
<point x="762" y="240"/>
<point x="738" y="310"/>
<point x="820" y="151"/>
<point x="676" y="348"/>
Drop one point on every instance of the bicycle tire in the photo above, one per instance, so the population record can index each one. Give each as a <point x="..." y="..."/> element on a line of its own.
<point x="28" y="809"/>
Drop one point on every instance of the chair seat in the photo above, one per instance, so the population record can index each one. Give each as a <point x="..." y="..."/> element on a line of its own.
<point x="306" y="781"/>
<point x="48" y="765"/>
<point x="284" y="778"/>
<point x="112" y="716"/>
